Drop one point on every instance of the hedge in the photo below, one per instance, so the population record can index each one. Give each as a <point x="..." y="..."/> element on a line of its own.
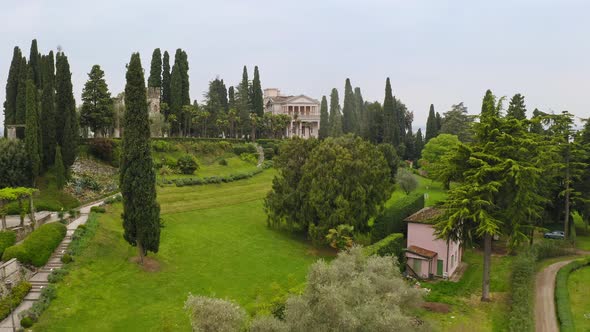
<point x="393" y="244"/>
<point x="181" y="182"/>
<point x="14" y="298"/>
<point x="562" y="297"/>
<point x="38" y="246"/>
<point x="392" y="218"/>
<point x="7" y="239"/>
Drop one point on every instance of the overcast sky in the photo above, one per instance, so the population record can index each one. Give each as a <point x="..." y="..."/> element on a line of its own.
<point x="439" y="52"/>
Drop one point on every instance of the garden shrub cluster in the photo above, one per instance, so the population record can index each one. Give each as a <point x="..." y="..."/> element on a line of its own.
<point x="48" y="294"/>
<point x="251" y="158"/>
<point x="187" y="164"/>
<point x="105" y="149"/>
<point x="7" y="239"/>
<point x="393" y="244"/>
<point x="562" y="298"/>
<point x="244" y="148"/>
<point x="82" y="235"/>
<point x="38" y="246"/>
<point x="182" y="182"/>
<point x="522" y="282"/>
<point x="98" y="209"/>
<point x="113" y="199"/>
<point x="391" y="220"/>
<point x="57" y="275"/>
<point x="14" y="298"/>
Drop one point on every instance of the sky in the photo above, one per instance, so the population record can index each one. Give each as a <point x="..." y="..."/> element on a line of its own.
<point x="434" y="51"/>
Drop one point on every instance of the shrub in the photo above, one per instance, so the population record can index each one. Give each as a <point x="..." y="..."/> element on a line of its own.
<point x="251" y="158"/>
<point x="267" y="164"/>
<point x="523" y="273"/>
<point x="26" y="322"/>
<point x="393" y="245"/>
<point x="66" y="259"/>
<point x="98" y="209"/>
<point x="113" y="199"/>
<point x="391" y="220"/>
<point x="103" y="149"/>
<point x="82" y="235"/>
<point x="244" y="148"/>
<point x="269" y="153"/>
<point x="15" y="164"/>
<point x="223" y="162"/>
<point x="340" y="237"/>
<point x="38" y="246"/>
<point x="57" y="275"/>
<point x="210" y="314"/>
<point x="562" y="301"/>
<point x="162" y="146"/>
<point x="550" y="248"/>
<point x="48" y="294"/>
<point x="187" y="164"/>
<point x="14" y="298"/>
<point x="7" y="239"/>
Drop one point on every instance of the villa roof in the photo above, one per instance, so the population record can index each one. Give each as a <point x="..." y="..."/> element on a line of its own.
<point x="421" y="252"/>
<point x="424" y="216"/>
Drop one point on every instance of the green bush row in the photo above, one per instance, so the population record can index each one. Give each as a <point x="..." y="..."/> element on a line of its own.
<point x="392" y="244"/>
<point x="211" y="179"/>
<point x="48" y="294"/>
<point x="562" y="297"/>
<point x="38" y="246"/>
<point x="244" y="148"/>
<point x="82" y="235"/>
<point x="14" y="298"/>
<point x="7" y="239"/>
<point x="391" y="220"/>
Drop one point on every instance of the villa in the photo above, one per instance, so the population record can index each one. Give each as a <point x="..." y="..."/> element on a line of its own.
<point x="304" y="112"/>
<point x="427" y="256"/>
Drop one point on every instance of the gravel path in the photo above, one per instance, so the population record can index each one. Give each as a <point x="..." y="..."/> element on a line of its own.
<point x="545" y="316"/>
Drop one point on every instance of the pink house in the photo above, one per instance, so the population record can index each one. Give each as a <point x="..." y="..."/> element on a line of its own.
<point x="426" y="255"/>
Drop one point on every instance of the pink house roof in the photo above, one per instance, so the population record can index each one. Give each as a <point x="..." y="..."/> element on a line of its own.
<point x="425" y="215"/>
<point x="422" y="252"/>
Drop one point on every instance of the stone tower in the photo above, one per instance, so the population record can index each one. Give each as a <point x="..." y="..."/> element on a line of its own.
<point x="153" y="99"/>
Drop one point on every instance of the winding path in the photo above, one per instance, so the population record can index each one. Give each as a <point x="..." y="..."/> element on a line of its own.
<point x="545" y="316"/>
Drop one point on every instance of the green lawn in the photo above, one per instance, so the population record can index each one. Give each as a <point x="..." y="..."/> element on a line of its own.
<point x="215" y="242"/>
<point x="235" y="165"/>
<point x="579" y="300"/>
<point x="434" y="190"/>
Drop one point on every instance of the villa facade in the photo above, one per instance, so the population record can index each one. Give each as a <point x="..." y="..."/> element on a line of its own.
<point x="304" y="112"/>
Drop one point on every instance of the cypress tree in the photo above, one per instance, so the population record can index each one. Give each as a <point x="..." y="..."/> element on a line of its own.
<point x="155" y="79"/>
<point x="141" y="212"/>
<point x="66" y="120"/>
<point x="335" y="115"/>
<point x="97" y="105"/>
<point x="438" y="123"/>
<point x="231" y="98"/>
<point x="48" y="111"/>
<point x="431" y="126"/>
<point x="32" y="128"/>
<point x="324" y="119"/>
<point x="362" y="123"/>
<point x="488" y="106"/>
<point x="419" y="145"/>
<point x="166" y="78"/>
<point x="34" y="62"/>
<point x="243" y="100"/>
<point x="390" y="127"/>
<point x="257" y="101"/>
<point x="60" y="171"/>
<point x="21" y="97"/>
<point x="348" y="117"/>
<point x="186" y="98"/>
<point x="12" y="88"/>
<point x="517" y="108"/>
<point x="176" y="97"/>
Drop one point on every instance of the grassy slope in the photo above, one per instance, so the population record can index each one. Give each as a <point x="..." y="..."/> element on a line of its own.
<point x="434" y="190"/>
<point x="207" y="168"/>
<point x="580" y="302"/>
<point x="215" y="242"/>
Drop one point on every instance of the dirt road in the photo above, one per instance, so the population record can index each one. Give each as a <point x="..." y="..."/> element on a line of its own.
<point x="545" y="317"/>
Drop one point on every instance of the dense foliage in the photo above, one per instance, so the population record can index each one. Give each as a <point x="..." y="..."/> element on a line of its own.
<point x="7" y="239"/>
<point x="97" y="105"/>
<point x="38" y="246"/>
<point x="8" y="303"/>
<point x="15" y="165"/>
<point x="187" y="164"/>
<point x="562" y="301"/>
<point x="391" y="220"/>
<point x="391" y="245"/>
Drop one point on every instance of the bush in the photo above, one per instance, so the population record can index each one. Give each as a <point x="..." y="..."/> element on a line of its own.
<point x="82" y="235"/>
<point x="48" y="294"/>
<point x="223" y="162"/>
<point x="7" y="239"/>
<point x="391" y="220"/>
<point x="251" y="158"/>
<point x="38" y="246"/>
<point x="393" y="244"/>
<point x="57" y="275"/>
<point x="15" y="165"/>
<point x="269" y="153"/>
<point x="66" y="259"/>
<point x="26" y="322"/>
<point x="14" y="298"/>
<point x="105" y="149"/>
<point x="113" y="199"/>
<point x="562" y="298"/>
<point x="209" y="314"/>
<point x="163" y="146"/>
<point x="98" y="209"/>
<point x="550" y="248"/>
<point x="521" y="311"/>
<point x="187" y="164"/>
<point x="244" y="148"/>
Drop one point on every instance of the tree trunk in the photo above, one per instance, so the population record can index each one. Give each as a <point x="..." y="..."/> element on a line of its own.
<point x="487" y="262"/>
<point x="140" y="253"/>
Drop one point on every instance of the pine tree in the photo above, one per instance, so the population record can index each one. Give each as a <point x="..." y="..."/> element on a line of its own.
<point x="32" y="128"/>
<point x="390" y="127"/>
<point x="66" y="120"/>
<point x="349" y="121"/>
<point x="48" y="111"/>
<point x="517" y="108"/>
<point x="155" y="79"/>
<point x="166" y="78"/>
<point x="21" y="97"/>
<point x="34" y="63"/>
<point x="335" y="115"/>
<point x="97" y="106"/>
<point x="257" y="100"/>
<point x="419" y="145"/>
<point x="141" y="212"/>
<point x="12" y="88"/>
<point x="324" y="119"/>
<point x="60" y="171"/>
<point x="431" y="126"/>
<point x="362" y="125"/>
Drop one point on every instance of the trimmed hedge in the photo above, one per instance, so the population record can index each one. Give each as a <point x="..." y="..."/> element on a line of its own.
<point x="7" y="239"/>
<point x="562" y="296"/>
<point x="392" y="218"/>
<point x="38" y="246"/>
<point x="393" y="244"/>
<point x="14" y="298"/>
<point x="181" y="182"/>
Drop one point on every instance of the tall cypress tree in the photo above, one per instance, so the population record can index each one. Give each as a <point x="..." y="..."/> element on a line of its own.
<point x="390" y="127"/>
<point x="66" y="120"/>
<point x="517" y="108"/>
<point x="141" y="211"/>
<point x="35" y="64"/>
<point x="335" y="115"/>
<point x="438" y="123"/>
<point x="186" y="98"/>
<point x="21" y="97"/>
<point x="166" y="78"/>
<point x="60" y="171"/>
<point x="324" y="119"/>
<point x="348" y="117"/>
<point x="231" y="95"/>
<point x="362" y="121"/>
<point x="176" y="98"/>
<point x="32" y="128"/>
<point x="257" y="101"/>
<point x="431" y="126"/>
<point x="155" y="79"/>
<point x="48" y="111"/>
<point x="419" y="145"/>
<point x="243" y="100"/>
<point x="12" y="88"/>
